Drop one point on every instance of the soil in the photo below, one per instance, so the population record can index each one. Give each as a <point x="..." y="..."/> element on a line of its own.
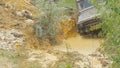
<point x="15" y="28"/>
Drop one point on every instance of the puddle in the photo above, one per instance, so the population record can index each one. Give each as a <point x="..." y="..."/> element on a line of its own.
<point x="82" y="45"/>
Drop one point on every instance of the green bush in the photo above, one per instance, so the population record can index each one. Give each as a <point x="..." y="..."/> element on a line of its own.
<point x="50" y="15"/>
<point x="110" y="12"/>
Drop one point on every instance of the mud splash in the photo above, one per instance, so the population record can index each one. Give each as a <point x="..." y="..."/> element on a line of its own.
<point x="80" y="44"/>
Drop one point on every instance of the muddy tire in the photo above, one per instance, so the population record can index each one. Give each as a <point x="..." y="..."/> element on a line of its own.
<point x="85" y="27"/>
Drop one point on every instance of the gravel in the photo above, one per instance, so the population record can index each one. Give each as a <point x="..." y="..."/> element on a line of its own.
<point x="10" y="37"/>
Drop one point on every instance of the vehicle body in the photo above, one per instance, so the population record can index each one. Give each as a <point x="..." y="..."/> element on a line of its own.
<point x="88" y="17"/>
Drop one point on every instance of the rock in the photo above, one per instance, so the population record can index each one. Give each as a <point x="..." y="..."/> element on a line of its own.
<point x="19" y="13"/>
<point x="17" y="35"/>
<point x="29" y="21"/>
<point x="24" y="13"/>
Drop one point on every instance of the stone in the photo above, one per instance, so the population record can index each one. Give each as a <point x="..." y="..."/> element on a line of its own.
<point x="29" y="21"/>
<point x="24" y="13"/>
<point x="18" y="13"/>
<point x="17" y="35"/>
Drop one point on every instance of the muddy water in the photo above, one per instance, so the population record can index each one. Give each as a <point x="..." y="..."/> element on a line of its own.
<point x="81" y="44"/>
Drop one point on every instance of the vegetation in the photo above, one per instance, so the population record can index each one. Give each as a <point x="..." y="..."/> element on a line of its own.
<point x="50" y="16"/>
<point x="67" y="3"/>
<point x="52" y="12"/>
<point x="110" y="12"/>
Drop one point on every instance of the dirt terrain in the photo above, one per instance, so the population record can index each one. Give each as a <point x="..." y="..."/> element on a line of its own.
<point x="20" y="48"/>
